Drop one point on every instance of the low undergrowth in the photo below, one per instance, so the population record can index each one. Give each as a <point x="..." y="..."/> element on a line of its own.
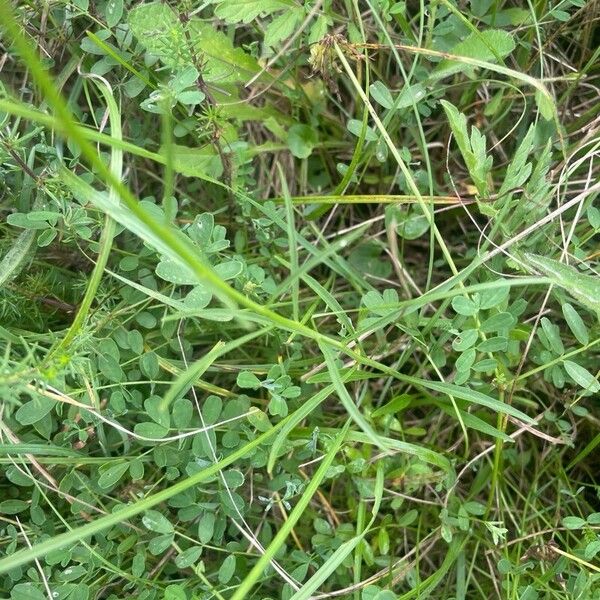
<point x="299" y="299"/>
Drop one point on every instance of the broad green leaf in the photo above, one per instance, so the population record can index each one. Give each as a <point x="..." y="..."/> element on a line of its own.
<point x="489" y="45"/>
<point x="27" y="591"/>
<point x="188" y="558"/>
<point x="248" y="380"/>
<point x="34" y="410"/>
<point x="204" y="163"/>
<point x="159" y="30"/>
<point x="157" y="411"/>
<point x="574" y="522"/>
<point x="244" y="11"/>
<point x="113" y="12"/>
<point x="15" y="260"/>
<point x="206" y="527"/>
<point x="301" y="140"/>
<point x="282" y="26"/>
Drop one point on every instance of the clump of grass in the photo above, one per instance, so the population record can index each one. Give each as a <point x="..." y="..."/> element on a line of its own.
<point x="299" y="300"/>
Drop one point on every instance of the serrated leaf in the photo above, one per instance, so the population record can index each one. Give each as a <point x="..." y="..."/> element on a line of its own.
<point x="472" y="148"/>
<point x="282" y="26"/>
<point x="158" y="29"/>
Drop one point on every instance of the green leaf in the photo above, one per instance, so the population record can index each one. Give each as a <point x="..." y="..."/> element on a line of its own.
<point x="27" y="591"/>
<point x="149" y="365"/>
<point x="244" y="11"/>
<point x="188" y="558"/>
<point x="157" y="411"/>
<point x="150" y="430"/>
<point x="491" y="45"/>
<point x="155" y="521"/>
<point x="158" y="28"/>
<point x="498" y="323"/>
<point x="472" y="148"/>
<point x="584" y="288"/>
<point x="464" y="306"/>
<point x="282" y="26"/>
<point x="17" y="256"/>
<point x="301" y="140"/>
<point x="553" y="335"/>
<point x="13" y="507"/>
<point x="381" y="94"/>
<point x="206" y="527"/>
<point x="175" y="592"/>
<point x="581" y="376"/>
<point x="576" y="324"/>
<point x="111" y="475"/>
<point x="573" y="522"/>
<point x="34" y="410"/>
<point x="113" y="12"/>
<point x="248" y="380"/>
<point x="227" y="569"/>
<point x="203" y="163"/>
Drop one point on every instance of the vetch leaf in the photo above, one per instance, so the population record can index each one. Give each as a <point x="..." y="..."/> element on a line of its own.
<point x="155" y="521"/>
<point x="576" y="324"/>
<point x="248" y="380"/>
<point x="581" y="376"/>
<point x="227" y="569"/>
<point x="111" y="475"/>
<point x="381" y="94"/>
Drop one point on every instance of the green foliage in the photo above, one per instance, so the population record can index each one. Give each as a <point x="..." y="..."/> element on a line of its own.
<point x="298" y="300"/>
